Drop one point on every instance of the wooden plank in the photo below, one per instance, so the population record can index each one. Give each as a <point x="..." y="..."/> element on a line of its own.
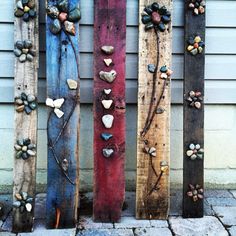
<point x="109" y="179"/>
<point x="153" y="137"/>
<point x="193" y="135"/>
<point x="63" y="133"/>
<point x="26" y="81"/>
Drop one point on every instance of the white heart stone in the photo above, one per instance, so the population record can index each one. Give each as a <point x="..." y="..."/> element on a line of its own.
<point x="107" y="120"/>
<point x="49" y="102"/>
<point x="164" y="76"/>
<point x="107" y="91"/>
<point x="108" y="76"/>
<point x="28" y="207"/>
<point x="107" y="103"/>
<point x="72" y="84"/>
<point x="107" y="152"/>
<point x="107" y="49"/>
<point x="189" y="153"/>
<point x="58" y="112"/>
<point x="108" y="61"/>
<point x="58" y="102"/>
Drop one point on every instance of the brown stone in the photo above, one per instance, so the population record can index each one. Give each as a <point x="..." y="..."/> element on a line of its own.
<point x="63" y="16"/>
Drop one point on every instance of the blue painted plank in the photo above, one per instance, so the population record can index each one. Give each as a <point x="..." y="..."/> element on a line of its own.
<point x="62" y="191"/>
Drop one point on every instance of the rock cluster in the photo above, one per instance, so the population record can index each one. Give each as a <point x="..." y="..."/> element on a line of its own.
<point x="25" y="149"/>
<point x="155" y="16"/>
<point x="165" y="72"/>
<point x="195" y="152"/>
<point x="197" y="6"/>
<point x="27" y="103"/>
<point x="25" y="9"/>
<point x="195" y="192"/>
<point x="24" y="51"/>
<point x="62" y="17"/>
<point x="195" y="45"/>
<point x="23" y="202"/>
<point x="195" y="99"/>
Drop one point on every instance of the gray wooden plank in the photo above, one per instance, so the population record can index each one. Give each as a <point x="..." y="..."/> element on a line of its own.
<point x="217" y="92"/>
<point x="224" y="8"/>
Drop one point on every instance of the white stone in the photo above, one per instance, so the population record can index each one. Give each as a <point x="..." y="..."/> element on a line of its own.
<point x="49" y="102"/>
<point x="208" y="225"/>
<point x="164" y="76"/>
<point x="58" y="102"/>
<point x="107" y="103"/>
<point x="152" y="232"/>
<point x="198" y="146"/>
<point x="107" y="91"/>
<point x="108" y="61"/>
<point x="28" y="207"/>
<point x="20" y="5"/>
<point x="72" y="84"/>
<point x="107" y="120"/>
<point x="107" y="152"/>
<point x="58" y="112"/>
<point x="189" y="153"/>
<point x="192" y="146"/>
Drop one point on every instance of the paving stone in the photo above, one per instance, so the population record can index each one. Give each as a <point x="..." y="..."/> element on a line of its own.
<point x="7" y="234"/>
<point x="106" y="232"/>
<point x="211" y="193"/>
<point x="159" y="223"/>
<point x="88" y="223"/>
<point x="51" y="232"/>
<point x="209" y="225"/>
<point x="233" y="192"/>
<point x="222" y="201"/>
<point x="227" y="215"/>
<point x="131" y="222"/>
<point x="7" y="224"/>
<point x="153" y="232"/>
<point x="40" y="206"/>
<point x="208" y="209"/>
<point x="232" y="231"/>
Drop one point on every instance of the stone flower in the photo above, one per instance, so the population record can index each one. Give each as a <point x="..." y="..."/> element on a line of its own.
<point x="26" y="103"/>
<point x="23" y="50"/>
<point x="62" y="17"/>
<point x="195" y="152"/>
<point x="197" y="6"/>
<point x="195" y="45"/>
<point x="156" y="17"/>
<point x="23" y="202"/>
<point x="56" y="104"/>
<point x="25" y="149"/>
<point x="25" y="9"/>
<point x="195" y="192"/>
<point x="195" y="99"/>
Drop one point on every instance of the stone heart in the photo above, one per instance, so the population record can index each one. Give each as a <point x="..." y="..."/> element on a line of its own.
<point x="107" y="91"/>
<point x="106" y="136"/>
<point x="108" y="61"/>
<point x="107" y="152"/>
<point x="107" y="103"/>
<point x="108" y="76"/>
<point x="107" y="49"/>
<point x="107" y="120"/>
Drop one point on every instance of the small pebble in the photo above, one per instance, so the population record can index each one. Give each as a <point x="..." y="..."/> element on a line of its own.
<point x="106" y="136"/>
<point x="107" y="103"/>
<point x="107" y="49"/>
<point x="107" y="61"/>
<point x="107" y="152"/>
<point x="156" y="18"/>
<point x="151" y="68"/>
<point x="17" y="52"/>
<point x="108" y="76"/>
<point x="163" y="69"/>
<point x="22" y="58"/>
<point x="107" y="91"/>
<point x="146" y="19"/>
<point x="72" y="84"/>
<point x="107" y="120"/>
<point x="55" y="26"/>
<point x="69" y="27"/>
<point x="194" y="51"/>
<point x="58" y="112"/>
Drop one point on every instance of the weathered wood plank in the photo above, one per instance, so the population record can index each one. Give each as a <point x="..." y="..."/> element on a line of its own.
<point x="63" y="136"/>
<point x="26" y="81"/>
<point x="109" y="180"/>
<point x="193" y="166"/>
<point x="153" y="137"/>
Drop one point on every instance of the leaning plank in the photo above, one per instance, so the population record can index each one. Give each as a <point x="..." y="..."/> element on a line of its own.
<point x="193" y="141"/>
<point x="109" y="109"/>
<point x="26" y="81"/>
<point x="153" y="137"/>
<point x="62" y="36"/>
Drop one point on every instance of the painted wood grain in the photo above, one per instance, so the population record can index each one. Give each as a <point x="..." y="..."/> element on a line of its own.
<point x="152" y="188"/>
<point x="63" y="137"/>
<point x="26" y="80"/>
<point x="109" y="179"/>
<point x="193" y="170"/>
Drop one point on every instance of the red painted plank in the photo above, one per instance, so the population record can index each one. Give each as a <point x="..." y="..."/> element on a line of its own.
<point x="109" y="180"/>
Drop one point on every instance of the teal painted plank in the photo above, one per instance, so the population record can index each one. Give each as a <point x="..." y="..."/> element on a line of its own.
<point x="62" y="185"/>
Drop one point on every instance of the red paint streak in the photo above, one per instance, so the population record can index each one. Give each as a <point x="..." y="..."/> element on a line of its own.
<point x="109" y="179"/>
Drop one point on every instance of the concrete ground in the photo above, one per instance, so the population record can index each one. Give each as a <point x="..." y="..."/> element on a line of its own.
<point x="219" y="220"/>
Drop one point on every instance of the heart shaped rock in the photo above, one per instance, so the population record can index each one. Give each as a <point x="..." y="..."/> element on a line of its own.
<point x="107" y="152"/>
<point x="108" y="49"/>
<point x="107" y="120"/>
<point x="107" y="91"/>
<point x="107" y="103"/>
<point x="108" y="76"/>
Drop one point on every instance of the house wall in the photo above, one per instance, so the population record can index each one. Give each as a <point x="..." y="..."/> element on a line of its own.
<point x="220" y="99"/>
